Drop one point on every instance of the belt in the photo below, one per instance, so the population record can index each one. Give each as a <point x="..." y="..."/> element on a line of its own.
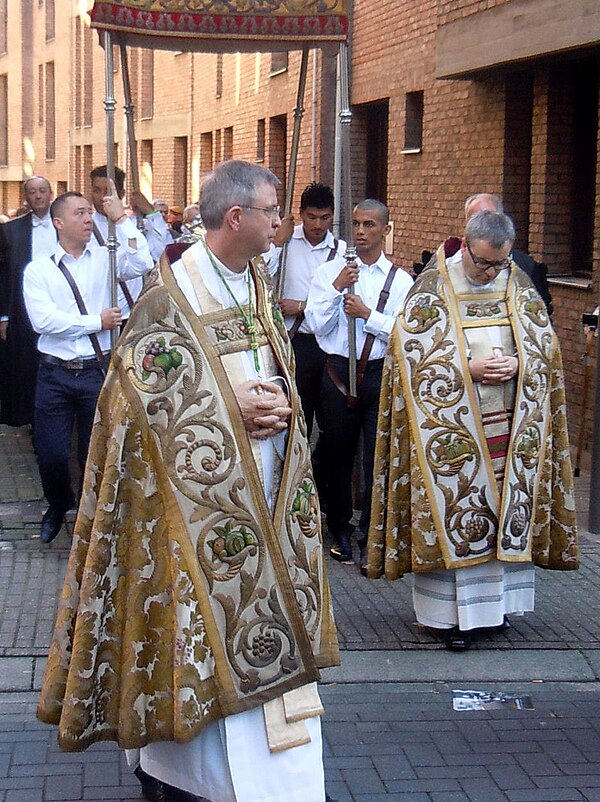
<point x="84" y="363"/>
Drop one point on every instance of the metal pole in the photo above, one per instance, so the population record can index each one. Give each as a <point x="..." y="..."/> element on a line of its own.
<point x="594" y="510"/>
<point x="129" y="107"/>
<point x="345" y="121"/>
<point x="289" y="195"/>
<point x="109" y="108"/>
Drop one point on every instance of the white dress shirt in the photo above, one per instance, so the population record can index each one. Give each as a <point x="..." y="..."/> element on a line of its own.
<point x="325" y="308"/>
<point x="302" y="261"/>
<point x="43" y="236"/>
<point x="125" y="231"/>
<point x="51" y="305"/>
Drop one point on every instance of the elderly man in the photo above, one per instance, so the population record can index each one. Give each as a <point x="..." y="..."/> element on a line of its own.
<point x="473" y="479"/>
<point x="28" y="237"/>
<point x="207" y="616"/>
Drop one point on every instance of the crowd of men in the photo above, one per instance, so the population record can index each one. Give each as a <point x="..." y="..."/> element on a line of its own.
<point x="198" y="598"/>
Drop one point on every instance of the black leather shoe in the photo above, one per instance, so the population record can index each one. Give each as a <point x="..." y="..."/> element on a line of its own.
<point x="456" y="640"/>
<point x="342" y="550"/>
<point x="51" y="524"/>
<point x="158" y="791"/>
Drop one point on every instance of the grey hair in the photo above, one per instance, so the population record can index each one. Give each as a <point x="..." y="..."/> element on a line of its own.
<point x="372" y="205"/>
<point x="34" y="178"/>
<point x="495" y="228"/>
<point x="232" y="183"/>
<point x="496" y="200"/>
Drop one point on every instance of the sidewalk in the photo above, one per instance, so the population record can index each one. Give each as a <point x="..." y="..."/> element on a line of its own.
<point x="391" y="733"/>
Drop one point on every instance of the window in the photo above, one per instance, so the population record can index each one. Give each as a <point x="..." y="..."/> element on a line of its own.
<point x="78" y="65"/>
<point x="41" y="94"/>
<point x="147" y="94"/>
<point x="3" y="119"/>
<point x="50" y="113"/>
<point x="3" y="26"/>
<point x="206" y="152"/>
<point x="88" y="76"/>
<point x="50" y="20"/>
<point x="180" y="153"/>
<point x="413" y="124"/>
<point x="279" y="63"/>
<point x="260" y="140"/>
<point x="227" y="143"/>
<point x="219" y="76"/>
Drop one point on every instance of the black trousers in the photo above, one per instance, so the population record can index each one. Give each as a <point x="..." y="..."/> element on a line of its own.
<point x="62" y="397"/>
<point x="310" y="363"/>
<point x="342" y="428"/>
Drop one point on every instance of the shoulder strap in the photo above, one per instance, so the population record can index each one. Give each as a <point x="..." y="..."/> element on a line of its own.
<point x="333" y="250"/>
<point x="122" y="284"/>
<point x="82" y="308"/>
<point x="370" y="338"/>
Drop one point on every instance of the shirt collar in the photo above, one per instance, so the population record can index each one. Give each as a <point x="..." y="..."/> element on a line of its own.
<point x="326" y="242"/>
<point x="60" y="253"/>
<point x="44" y="221"/>
<point x="383" y="263"/>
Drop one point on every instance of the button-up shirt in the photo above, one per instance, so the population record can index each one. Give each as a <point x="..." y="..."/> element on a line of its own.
<point x="125" y="231"/>
<point x="43" y="236"/>
<point x="51" y="305"/>
<point x="325" y="307"/>
<point x="302" y="261"/>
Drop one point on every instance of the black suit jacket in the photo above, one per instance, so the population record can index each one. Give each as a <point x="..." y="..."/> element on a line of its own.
<point x="20" y="355"/>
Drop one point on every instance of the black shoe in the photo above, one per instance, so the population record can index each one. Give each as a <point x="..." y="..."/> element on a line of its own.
<point x="456" y="640"/>
<point x="363" y="563"/>
<point x="157" y="791"/>
<point x="51" y="524"/>
<point x="342" y="550"/>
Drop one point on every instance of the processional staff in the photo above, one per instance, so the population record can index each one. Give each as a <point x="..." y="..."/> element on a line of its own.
<point x="345" y="116"/>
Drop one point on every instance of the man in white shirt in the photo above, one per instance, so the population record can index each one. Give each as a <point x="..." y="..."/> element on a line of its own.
<point x="25" y="238"/>
<point x="310" y="244"/>
<point x="155" y="228"/>
<point x="343" y="419"/>
<point x="74" y="340"/>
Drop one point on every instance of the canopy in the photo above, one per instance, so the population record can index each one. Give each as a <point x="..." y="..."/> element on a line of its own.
<point x="223" y="25"/>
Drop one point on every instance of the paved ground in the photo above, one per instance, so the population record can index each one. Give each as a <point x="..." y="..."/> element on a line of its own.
<point x="390" y="729"/>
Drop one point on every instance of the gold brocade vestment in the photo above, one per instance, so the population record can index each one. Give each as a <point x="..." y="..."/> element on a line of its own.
<point x="186" y="599"/>
<point x="436" y="502"/>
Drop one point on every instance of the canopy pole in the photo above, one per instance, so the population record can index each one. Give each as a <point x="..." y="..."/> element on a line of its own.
<point x="345" y="115"/>
<point x="289" y="195"/>
<point x="109" y="108"/>
<point x="129" y="107"/>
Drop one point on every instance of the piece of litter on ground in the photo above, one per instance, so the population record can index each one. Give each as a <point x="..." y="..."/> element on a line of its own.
<point x="486" y="700"/>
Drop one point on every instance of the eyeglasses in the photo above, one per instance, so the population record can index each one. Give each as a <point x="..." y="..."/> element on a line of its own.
<point x="485" y="264"/>
<point x="270" y="211"/>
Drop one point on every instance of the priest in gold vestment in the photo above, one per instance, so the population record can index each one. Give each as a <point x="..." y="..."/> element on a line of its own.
<point x="473" y="482"/>
<point x="196" y="613"/>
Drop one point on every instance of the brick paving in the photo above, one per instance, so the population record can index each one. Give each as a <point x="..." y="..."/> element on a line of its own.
<point x="384" y="742"/>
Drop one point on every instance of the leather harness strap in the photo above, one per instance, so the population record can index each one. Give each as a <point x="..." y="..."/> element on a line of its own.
<point x="367" y="347"/>
<point x="82" y="308"/>
<point x="122" y="284"/>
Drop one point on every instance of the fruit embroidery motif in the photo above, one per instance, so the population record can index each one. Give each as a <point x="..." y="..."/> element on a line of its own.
<point x="232" y="544"/>
<point x="159" y="357"/>
<point x="304" y="508"/>
<point x="423" y="312"/>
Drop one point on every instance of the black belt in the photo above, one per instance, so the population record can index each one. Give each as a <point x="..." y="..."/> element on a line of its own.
<point x="85" y="363"/>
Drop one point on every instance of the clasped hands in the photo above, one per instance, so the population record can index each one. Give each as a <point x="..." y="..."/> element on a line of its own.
<point x="264" y="407"/>
<point x="494" y="369"/>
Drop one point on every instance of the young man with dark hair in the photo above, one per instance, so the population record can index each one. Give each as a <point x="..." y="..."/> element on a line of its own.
<point x="310" y="243"/>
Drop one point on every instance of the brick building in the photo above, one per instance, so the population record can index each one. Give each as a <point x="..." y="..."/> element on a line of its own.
<point x="449" y="98"/>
